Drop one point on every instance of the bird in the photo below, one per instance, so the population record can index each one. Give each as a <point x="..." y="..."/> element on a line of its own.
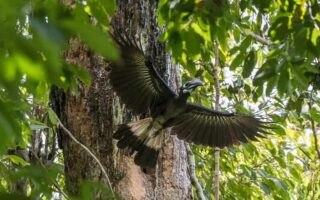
<point x="140" y="87"/>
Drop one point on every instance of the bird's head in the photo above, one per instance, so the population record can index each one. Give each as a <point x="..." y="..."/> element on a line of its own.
<point x="191" y="85"/>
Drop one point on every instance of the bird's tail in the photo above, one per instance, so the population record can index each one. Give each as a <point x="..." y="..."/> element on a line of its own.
<point x="144" y="137"/>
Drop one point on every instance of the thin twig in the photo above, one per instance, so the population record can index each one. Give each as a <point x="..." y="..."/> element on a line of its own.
<point x="217" y="107"/>
<point x="90" y="153"/>
<point x="305" y="153"/>
<point x="192" y="167"/>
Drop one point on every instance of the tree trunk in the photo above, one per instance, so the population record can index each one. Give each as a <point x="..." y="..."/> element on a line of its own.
<point x="92" y="117"/>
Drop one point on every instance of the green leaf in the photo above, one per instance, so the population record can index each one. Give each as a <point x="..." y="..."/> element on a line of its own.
<point x="283" y="82"/>
<point x="299" y="76"/>
<point x="295" y="174"/>
<point x="9" y="125"/>
<point x="94" y="38"/>
<point x="79" y="72"/>
<point x="266" y="71"/>
<point x="314" y="36"/>
<point x="89" y="189"/>
<point x="249" y="64"/>
<point x="48" y="31"/>
<point x="27" y="66"/>
<point x="98" y="10"/>
<point x="272" y="82"/>
<point x="290" y="156"/>
<point x="42" y="93"/>
<point x="175" y="43"/>
<point x="278" y="129"/>
<point x="281" y="162"/>
<point x="191" y="67"/>
<point x="236" y="34"/>
<point x="193" y="42"/>
<point x="17" y="160"/>
<point x="262" y="5"/>
<point x="13" y="196"/>
<point x="222" y="37"/>
<point x="291" y="105"/>
<point x="257" y="93"/>
<point x="163" y="12"/>
<point x="102" y="9"/>
<point x="110" y="6"/>
<point x="237" y="61"/>
<point x="315" y="115"/>
<point x="54" y="119"/>
<point x="279" y="29"/>
<point x="299" y="104"/>
<point x="245" y="44"/>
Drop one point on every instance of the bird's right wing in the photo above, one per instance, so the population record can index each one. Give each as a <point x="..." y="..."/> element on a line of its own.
<point x="201" y="125"/>
<point x="135" y="80"/>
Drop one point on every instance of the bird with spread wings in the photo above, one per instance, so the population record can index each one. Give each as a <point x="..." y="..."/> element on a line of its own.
<point x="141" y="89"/>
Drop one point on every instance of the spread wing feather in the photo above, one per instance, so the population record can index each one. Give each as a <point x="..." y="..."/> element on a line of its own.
<point x="201" y="125"/>
<point x="135" y="80"/>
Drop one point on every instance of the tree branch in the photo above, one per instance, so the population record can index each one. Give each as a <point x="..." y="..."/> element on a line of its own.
<point x="257" y="38"/>
<point x="217" y="107"/>
<point x="314" y="133"/>
<point x="192" y="167"/>
<point x="90" y="153"/>
<point x="260" y="39"/>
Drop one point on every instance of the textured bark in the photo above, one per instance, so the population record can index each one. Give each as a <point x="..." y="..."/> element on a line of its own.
<point x="92" y="117"/>
<point x="89" y="117"/>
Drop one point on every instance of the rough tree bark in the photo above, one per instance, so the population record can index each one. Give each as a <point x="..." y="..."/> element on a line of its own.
<point x="93" y="115"/>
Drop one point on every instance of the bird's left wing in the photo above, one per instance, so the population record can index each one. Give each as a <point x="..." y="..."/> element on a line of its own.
<point x="135" y="79"/>
<point x="201" y="125"/>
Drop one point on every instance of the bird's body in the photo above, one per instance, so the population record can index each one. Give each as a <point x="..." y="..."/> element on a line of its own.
<point x="140" y="87"/>
<point x="175" y="107"/>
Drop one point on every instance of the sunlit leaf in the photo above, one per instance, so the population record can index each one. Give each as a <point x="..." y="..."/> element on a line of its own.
<point x="53" y="117"/>
<point x="315" y="115"/>
<point x="17" y="160"/>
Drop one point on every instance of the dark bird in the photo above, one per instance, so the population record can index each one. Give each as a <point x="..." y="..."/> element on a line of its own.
<point x="142" y="90"/>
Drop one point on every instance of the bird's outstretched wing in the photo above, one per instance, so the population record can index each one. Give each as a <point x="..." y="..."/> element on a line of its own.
<point x="201" y="125"/>
<point x="134" y="78"/>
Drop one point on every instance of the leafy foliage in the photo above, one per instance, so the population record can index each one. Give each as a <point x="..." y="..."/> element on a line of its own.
<point x="269" y="56"/>
<point x="33" y="36"/>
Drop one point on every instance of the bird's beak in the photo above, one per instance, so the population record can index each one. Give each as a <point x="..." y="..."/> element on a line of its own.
<point x="192" y="84"/>
<point x="195" y="83"/>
